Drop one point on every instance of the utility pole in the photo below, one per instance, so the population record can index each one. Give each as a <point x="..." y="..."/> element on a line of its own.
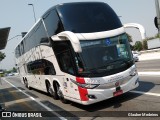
<point x="158" y="16"/>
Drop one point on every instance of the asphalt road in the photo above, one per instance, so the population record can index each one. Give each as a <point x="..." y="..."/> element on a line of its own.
<point x="148" y="65"/>
<point x="144" y="98"/>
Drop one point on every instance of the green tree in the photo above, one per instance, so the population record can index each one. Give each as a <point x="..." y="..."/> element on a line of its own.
<point x="138" y="46"/>
<point x="145" y="45"/>
<point x="157" y="36"/>
<point x="14" y="69"/>
<point x="2" y="56"/>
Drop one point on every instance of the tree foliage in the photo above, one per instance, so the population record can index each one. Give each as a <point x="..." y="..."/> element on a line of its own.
<point x="138" y="46"/>
<point x="2" y="56"/>
<point x="14" y="69"/>
<point x="145" y="44"/>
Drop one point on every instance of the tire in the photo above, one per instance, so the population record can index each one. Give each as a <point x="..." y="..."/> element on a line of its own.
<point x="60" y="95"/>
<point x="26" y="84"/>
<point x="52" y="91"/>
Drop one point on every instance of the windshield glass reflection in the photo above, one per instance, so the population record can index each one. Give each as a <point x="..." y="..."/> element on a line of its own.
<point x="104" y="56"/>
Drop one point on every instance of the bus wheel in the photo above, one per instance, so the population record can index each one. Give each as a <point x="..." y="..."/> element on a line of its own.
<point x="52" y="92"/>
<point x="60" y="95"/>
<point x="26" y="84"/>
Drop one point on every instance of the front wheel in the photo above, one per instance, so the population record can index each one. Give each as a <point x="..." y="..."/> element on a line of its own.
<point x="60" y="95"/>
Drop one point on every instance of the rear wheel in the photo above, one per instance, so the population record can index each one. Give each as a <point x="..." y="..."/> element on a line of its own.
<point x="26" y="84"/>
<point x="52" y="91"/>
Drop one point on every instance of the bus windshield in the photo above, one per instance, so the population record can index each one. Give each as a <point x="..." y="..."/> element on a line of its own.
<point x="104" y="56"/>
<point x="88" y="17"/>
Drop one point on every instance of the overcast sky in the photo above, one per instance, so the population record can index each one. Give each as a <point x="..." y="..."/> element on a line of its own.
<point x="19" y="16"/>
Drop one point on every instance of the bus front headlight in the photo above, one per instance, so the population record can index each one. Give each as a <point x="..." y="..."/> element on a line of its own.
<point x="85" y="85"/>
<point x="133" y="72"/>
<point x="89" y="86"/>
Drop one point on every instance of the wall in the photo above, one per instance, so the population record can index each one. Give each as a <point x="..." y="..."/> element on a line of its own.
<point x="154" y="43"/>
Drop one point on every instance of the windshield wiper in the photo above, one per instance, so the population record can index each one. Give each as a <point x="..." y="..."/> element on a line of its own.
<point x="127" y="62"/>
<point x="109" y="66"/>
<point x="89" y="73"/>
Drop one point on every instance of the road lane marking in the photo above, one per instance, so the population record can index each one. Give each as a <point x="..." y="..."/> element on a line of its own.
<point x="47" y="108"/>
<point x="17" y="101"/>
<point x="146" y="93"/>
<point x="149" y="73"/>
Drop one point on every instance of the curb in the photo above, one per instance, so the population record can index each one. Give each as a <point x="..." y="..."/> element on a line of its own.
<point x="150" y="51"/>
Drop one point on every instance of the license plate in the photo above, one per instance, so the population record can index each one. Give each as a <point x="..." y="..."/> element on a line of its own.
<point x="117" y="93"/>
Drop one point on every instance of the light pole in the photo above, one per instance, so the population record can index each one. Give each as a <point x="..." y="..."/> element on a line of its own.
<point x="14" y="37"/>
<point x="158" y="15"/>
<point x="33" y="11"/>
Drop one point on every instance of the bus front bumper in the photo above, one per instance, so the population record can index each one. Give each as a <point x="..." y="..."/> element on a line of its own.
<point x="97" y="95"/>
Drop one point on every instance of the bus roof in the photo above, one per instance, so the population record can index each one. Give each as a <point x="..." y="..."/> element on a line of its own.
<point x="86" y="17"/>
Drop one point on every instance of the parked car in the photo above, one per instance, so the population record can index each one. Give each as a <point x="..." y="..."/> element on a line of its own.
<point x="10" y="74"/>
<point x="15" y="73"/>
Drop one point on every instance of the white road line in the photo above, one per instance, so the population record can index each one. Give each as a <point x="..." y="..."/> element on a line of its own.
<point x="149" y="73"/>
<point x="146" y="93"/>
<point x="47" y="108"/>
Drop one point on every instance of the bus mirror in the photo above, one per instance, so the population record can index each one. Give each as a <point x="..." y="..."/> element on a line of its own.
<point x="67" y="35"/>
<point x="156" y="22"/>
<point x="137" y="26"/>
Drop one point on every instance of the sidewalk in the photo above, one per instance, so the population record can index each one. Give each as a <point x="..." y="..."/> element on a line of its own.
<point x="149" y="56"/>
<point x="149" y="73"/>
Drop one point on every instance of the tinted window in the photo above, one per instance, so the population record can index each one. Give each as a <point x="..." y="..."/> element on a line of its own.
<point x="34" y="38"/>
<point x="52" y="23"/>
<point x="17" y="51"/>
<point x="88" y="17"/>
<point x="65" y="61"/>
<point x="64" y="55"/>
<point x="41" y="67"/>
<point x="105" y="56"/>
<point x="22" y="48"/>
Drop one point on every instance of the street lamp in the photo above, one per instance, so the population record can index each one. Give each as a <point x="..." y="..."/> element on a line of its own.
<point x="33" y="11"/>
<point x="14" y="37"/>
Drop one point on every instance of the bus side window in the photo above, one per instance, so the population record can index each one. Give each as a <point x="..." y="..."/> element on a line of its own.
<point x="41" y="67"/>
<point x="66" y="62"/>
<point x="49" y="68"/>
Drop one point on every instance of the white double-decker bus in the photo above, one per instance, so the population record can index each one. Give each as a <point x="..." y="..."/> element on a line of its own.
<point x="78" y="52"/>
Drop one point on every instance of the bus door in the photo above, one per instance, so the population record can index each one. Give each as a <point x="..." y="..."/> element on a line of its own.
<point x="66" y="64"/>
<point x="65" y="56"/>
